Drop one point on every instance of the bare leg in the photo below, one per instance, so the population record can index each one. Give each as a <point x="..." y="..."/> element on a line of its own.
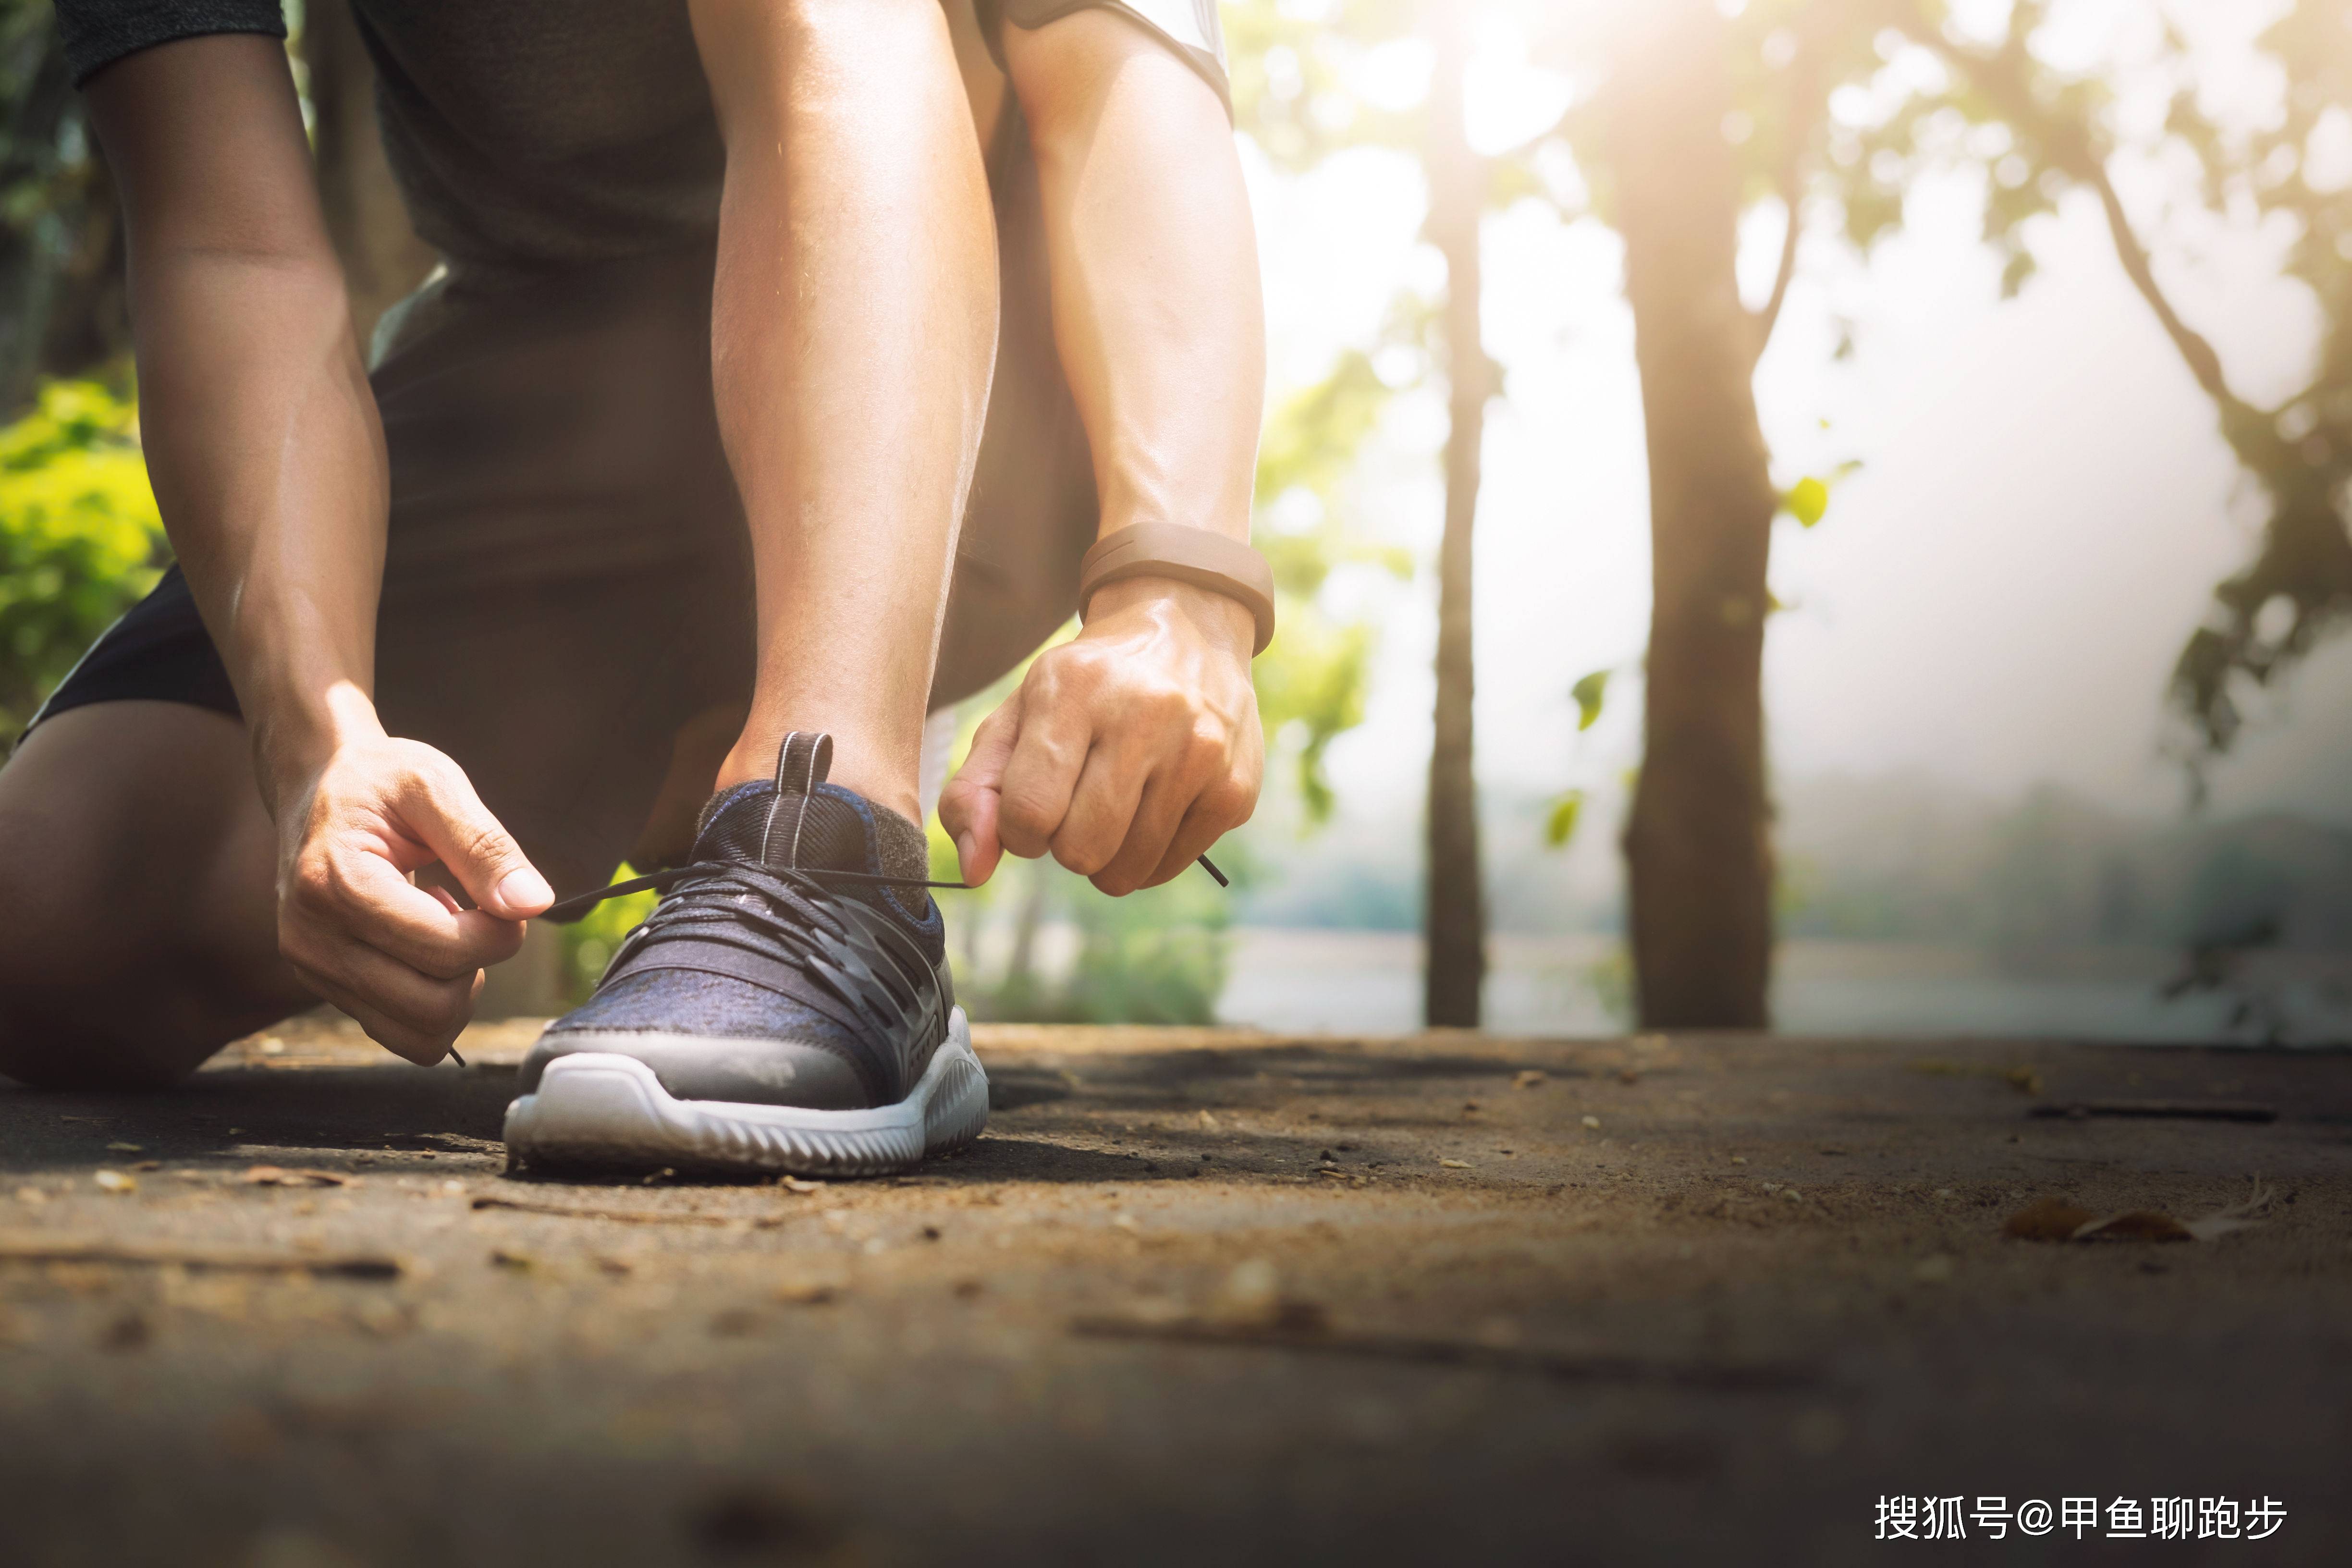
<point x="854" y="330"/>
<point x="139" y="931"/>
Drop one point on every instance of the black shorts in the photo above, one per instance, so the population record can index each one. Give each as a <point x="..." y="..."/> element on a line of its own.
<point x="567" y="578"/>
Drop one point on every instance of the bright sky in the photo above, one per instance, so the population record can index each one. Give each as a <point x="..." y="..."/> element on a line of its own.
<point x="1995" y="598"/>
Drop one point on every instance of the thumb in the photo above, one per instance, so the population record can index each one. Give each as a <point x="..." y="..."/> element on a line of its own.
<point x="440" y="807"/>
<point x="968" y="805"/>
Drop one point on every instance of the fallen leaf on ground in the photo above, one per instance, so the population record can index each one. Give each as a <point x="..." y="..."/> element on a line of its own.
<point x="808" y="1293"/>
<point x="281" y="1176"/>
<point x="1529" y="1079"/>
<point x="122" y="1147"/>
<point x="2055" y="1220"/>
<point x="2221" y="1222"/>
<point x="116" y="1182"/>
<point x="1456" y="1164"/>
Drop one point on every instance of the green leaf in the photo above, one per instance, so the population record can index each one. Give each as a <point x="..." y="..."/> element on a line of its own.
<point x="1561" y="825"/>
<point x="1808" y="501"/>
<point x="1588" y="693"/>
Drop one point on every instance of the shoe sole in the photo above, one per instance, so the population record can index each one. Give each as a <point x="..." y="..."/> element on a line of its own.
<point x="596" y="1107"/>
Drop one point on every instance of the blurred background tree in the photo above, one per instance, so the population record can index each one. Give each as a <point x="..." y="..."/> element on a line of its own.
<point x="1295" y="96"/>
<point x="63" y="309"/>
<point x="1990" y="98"/>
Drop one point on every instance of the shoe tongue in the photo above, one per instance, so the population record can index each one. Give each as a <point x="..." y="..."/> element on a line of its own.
<point x="826" y="830"/>
<point x="797" y="821"/>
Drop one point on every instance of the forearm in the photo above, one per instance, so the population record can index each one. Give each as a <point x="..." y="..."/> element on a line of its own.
<point x="1157" y="311"/>
<point x="261" y="434"/>
<point x="268" y="466"/>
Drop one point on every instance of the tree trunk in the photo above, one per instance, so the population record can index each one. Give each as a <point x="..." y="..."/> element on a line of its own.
<point x="1454" y="920"/>
<point x="383" y="258"/>
<point x="1698" y="847"/>
<point x="64" y="309"/>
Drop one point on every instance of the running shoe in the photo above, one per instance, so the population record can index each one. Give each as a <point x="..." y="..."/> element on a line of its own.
<point x="785" y="1008"/>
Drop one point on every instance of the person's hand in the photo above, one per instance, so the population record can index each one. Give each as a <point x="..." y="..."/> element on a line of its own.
<point x="1126" y="750"/>
<point x="404" y="961"/>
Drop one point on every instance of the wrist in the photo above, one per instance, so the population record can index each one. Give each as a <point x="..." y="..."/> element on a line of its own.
<point x="1219" y="618"/>
<point x="1213" y="565"/>
<point x="295" y="737"/>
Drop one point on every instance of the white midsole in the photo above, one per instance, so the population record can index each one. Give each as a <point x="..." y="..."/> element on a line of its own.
<point x="605" y="1106"/>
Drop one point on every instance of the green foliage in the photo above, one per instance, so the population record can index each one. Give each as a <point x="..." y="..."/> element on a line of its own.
<point x="589" y="941"/>
<point x="1808" y="501"/>
<point x="1311" y="436"/>
<point x="1314" y="693"/>
<point x="79" y="537"/>
<point x="1611" y="978"/>
<point x="1559" y="825"/>
<point x="1588" y="693"/>
<point x="1289" y="73"/>
<point x="1142" y="961"/>
<point x="1311" y="682"/>
<point x="1154" y="957"/>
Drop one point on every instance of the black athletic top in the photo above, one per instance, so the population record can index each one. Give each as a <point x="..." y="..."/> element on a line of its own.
<point x="529" y="134"/>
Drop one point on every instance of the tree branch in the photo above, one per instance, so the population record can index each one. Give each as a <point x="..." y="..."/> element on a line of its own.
<point x="2071" y="152"/>
<point x="2204" y="363"/>
<point x="1796" y="129"/>
<point x="1791" y="194"/>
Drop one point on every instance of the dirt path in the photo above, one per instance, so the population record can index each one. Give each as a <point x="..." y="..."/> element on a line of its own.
<point x="1198" y="1297"/>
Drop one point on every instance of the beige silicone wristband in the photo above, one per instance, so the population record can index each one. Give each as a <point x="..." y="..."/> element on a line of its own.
<point x="1193" y="555"/>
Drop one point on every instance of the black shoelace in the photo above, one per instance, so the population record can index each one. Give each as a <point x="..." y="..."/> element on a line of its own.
<point x="822" y="940"/>
<point x="663" y="881"/>
<point x="790" y="917"/>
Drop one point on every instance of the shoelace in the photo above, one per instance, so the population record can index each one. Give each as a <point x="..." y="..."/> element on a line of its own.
<point x="785" y="915"/>
<point x="789" y="917"/>
<point x="663" y="881"/>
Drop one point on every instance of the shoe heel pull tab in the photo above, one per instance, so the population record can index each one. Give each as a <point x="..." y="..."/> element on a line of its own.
<point x="802" y="763"/>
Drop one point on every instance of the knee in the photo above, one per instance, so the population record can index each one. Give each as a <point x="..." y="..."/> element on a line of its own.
<point x="86" y="1004"/>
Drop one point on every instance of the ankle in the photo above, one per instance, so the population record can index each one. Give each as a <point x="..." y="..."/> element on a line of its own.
<point x="855" y="769"/>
